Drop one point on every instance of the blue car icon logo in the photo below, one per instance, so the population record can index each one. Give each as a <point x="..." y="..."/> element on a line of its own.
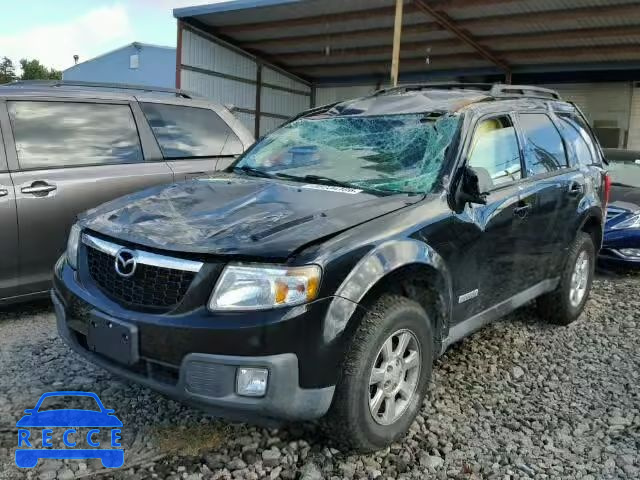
<point x="36" y="439"/>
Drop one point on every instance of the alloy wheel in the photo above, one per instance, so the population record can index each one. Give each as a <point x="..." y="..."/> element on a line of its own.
<point x="579" y="279"/>
<point x="394" y="377"/>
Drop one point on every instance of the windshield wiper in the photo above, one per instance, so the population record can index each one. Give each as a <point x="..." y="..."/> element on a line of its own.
<point x="317" y="179"/>
<point x="253" y="171"/>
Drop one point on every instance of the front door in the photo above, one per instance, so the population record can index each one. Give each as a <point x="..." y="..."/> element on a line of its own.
<point x="69" y="157"/>
<point x="492" y="268"/>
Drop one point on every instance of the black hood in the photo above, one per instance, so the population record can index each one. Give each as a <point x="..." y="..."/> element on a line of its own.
<point x="233" y="215"/>
<point x="625" y="194"/>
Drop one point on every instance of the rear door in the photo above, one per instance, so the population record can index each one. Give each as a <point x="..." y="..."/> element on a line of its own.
<point x="66" y="157"/>
<point x="8" y="220"/>
<point x="195" y="140"/>
<point x="553" y="190"/>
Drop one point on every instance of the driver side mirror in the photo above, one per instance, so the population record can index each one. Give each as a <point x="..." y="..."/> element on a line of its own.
<point x="468" y="190"/>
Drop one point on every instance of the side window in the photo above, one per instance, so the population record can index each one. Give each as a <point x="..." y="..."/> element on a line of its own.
<point x="190" y="132"/>
<point x="58" y="134"/>
<point x="581" y="145"/>
<point x="494" y="153"/>
<point x="543" y="149"/>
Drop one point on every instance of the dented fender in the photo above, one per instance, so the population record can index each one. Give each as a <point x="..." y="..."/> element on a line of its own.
<point x="373" y="267"/>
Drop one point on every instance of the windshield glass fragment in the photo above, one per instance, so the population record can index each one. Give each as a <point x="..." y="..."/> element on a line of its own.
<point x="393" y="153"/>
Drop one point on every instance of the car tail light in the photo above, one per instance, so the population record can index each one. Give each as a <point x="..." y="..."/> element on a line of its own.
<point x="607" y="188"/>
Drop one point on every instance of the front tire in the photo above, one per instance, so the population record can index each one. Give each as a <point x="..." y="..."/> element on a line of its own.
<point x="565" y="304"/>
<point x="385" y="377"/>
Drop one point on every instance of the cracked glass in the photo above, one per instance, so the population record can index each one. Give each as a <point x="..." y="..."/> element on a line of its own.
<point x="391" y="153"/>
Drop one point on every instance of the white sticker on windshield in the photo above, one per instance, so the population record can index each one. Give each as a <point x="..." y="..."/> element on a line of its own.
<point x="330" y="188"/>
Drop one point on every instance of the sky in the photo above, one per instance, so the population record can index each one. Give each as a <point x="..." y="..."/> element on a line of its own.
<point x="53" y="31"/>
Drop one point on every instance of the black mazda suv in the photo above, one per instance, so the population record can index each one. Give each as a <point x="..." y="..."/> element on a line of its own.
<point x="326" y="269"/>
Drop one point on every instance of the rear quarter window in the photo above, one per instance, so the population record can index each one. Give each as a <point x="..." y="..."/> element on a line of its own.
<point x="187" y="132"/>
<point x="582" y="150"/>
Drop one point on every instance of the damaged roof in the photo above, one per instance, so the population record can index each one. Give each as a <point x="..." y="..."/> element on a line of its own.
<point x="409" y="102"/>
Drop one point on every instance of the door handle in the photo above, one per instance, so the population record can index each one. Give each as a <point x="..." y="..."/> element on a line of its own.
<point x="522" y="211"/>
<point x="575" y="189"/>
<point x="39" y="188"/>
<point x="4" y="192"/>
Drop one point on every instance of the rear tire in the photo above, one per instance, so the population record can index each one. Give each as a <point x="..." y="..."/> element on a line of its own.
<point x="565" y="304"/>
<point x="385" y="376"/>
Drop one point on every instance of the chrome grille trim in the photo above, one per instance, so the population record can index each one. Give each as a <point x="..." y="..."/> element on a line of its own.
<point x="146" y="258"/>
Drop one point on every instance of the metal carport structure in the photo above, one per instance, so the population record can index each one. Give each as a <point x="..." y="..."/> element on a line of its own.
<point x="273" y="58"/>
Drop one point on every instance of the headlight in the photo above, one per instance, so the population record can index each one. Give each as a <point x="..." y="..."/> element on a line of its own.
<point x="72" y="246"/>
<point x="243" y="287"/>
<point x="631" y="222"/>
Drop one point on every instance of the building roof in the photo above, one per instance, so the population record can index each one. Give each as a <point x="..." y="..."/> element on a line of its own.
<point x="324" y="40"/>
<point x="138" y="45"/>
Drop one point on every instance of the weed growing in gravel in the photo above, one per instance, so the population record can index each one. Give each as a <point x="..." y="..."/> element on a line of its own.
<point x="191" y="439"/>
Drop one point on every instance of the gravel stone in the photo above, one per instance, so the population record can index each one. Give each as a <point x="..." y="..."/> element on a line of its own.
<point x="517" y="372"/>
<point x="236" y="464"/>
<point x="310" y="471"/>
<point x="271" y="458"/>
<point x="519" y="399"/>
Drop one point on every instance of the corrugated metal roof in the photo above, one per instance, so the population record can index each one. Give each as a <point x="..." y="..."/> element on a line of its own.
<point x="330" y="38"/>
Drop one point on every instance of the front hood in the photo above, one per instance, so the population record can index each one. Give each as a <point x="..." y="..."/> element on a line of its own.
<point x="625" y="194"/>
<point x="233" y="215"/>
<point x="618" y="211"/>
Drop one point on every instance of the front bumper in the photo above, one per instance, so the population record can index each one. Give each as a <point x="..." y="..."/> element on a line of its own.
<point x="208" y="355"/>
<point x="611" y="256"/>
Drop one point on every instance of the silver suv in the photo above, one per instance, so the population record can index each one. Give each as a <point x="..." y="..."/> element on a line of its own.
<point x="65" y="148"/>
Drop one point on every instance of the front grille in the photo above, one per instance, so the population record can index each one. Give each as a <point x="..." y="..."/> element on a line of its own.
<point x="149" y="287"/>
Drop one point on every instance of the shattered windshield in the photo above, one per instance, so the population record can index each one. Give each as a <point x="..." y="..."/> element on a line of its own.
<point x="390" y="153"/>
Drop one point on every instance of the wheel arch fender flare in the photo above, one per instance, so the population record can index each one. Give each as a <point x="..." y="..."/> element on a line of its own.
<point x="592" y="216"/>
<point x="371" y="269"/>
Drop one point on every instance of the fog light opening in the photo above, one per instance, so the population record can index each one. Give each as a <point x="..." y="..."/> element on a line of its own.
<point x="251" y="382"/>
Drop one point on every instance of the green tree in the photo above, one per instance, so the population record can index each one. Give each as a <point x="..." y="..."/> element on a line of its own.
<point x="34" y="70"/>
<point x="7" y="70"/>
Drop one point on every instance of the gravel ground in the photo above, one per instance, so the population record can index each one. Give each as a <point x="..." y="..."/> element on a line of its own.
<point x="520" y="399"/>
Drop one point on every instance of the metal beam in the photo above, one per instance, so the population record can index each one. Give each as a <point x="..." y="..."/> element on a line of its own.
<point x="315" y="20"/>
<point x="363" y="14"/>
<point x="323" y="38"/>
<point x="444" y="20"/>
<point x="256" y="125"/>
<point x="178" y="53"/>
<point x="458" y="60"/>
<point x="548" y="17"/>
<point x="534" y="40"/>
<point x="397" y="35"/>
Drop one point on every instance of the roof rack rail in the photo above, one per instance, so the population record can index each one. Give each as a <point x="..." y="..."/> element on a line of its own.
<point x="493" y="89"/>
<point x="501" y="90"/>
<point x="485" y="87"/>
<point x="106" y="85"/>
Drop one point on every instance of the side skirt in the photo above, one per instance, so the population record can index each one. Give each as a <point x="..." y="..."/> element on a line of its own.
<point x="470" y="325"/>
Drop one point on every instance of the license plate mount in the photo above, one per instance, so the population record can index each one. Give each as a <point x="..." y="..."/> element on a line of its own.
<point x="113" y="338"/>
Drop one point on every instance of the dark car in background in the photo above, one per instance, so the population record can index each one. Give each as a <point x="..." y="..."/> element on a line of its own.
<point x="324" y="272"/>
<point x="66" y="147"/>
<point x="621" y="246"/>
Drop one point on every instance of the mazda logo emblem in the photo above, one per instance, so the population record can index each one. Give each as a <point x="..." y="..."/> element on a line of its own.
<point x="125" y="262"/>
